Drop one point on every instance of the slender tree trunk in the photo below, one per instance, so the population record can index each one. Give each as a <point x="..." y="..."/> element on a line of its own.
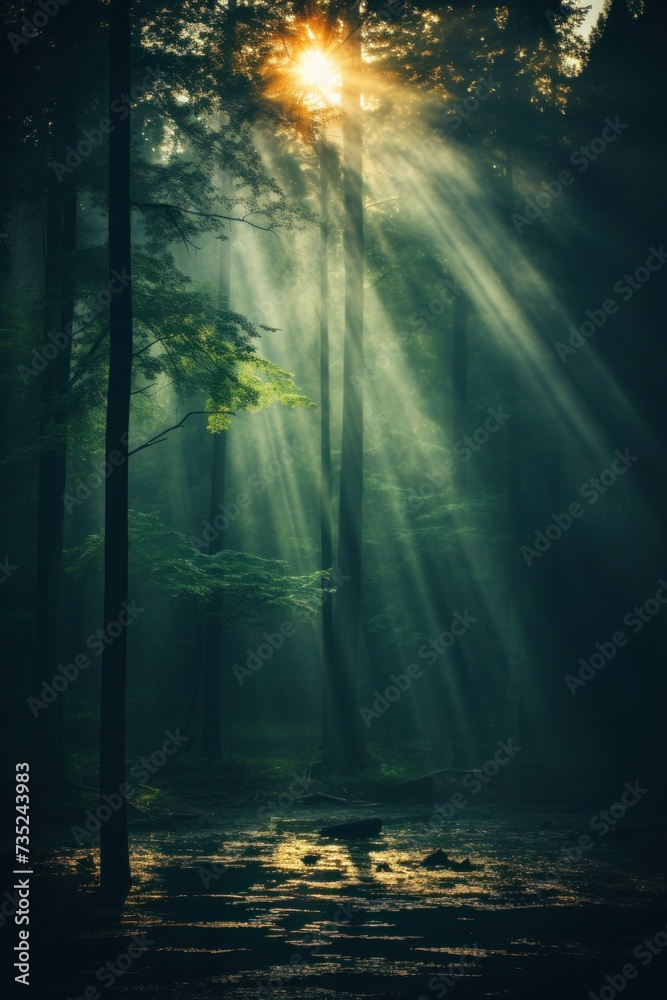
<point x="214" y="644"/>
<point x="59" y="294"/>
<point x="49" y="504"/>
<point x="326" y="474"/>
<point x="214" y="637"/>
<point x="515" y="567"/>
<point x="460" y="383"/>
<point x="515" y="432"/>
<point x="346" y="746"/>
<point x="114" y="851"/>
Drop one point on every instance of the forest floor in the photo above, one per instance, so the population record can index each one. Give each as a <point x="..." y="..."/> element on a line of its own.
<point x="248" y="900"/>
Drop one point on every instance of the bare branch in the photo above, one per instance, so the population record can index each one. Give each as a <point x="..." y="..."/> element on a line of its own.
<point x="206" y="215"/>
<point x="159" y="438"/>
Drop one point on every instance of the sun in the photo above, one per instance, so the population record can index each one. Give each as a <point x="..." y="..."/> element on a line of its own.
<point x="315" y="74"/>
<point x="315" y="71"/>
<point x="303" y="70"/>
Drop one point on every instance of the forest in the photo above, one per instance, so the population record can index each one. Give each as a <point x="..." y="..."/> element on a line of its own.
<point x="333" y="550"/>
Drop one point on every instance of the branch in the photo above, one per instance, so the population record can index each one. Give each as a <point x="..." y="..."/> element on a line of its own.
<point x="205" y="215"/>
<point x="243" y="611"/>
<point x="143" y="391"/>
<point x="159" y="438"/>
<point x="147" y="347"/>
<point x="93" y="347"/>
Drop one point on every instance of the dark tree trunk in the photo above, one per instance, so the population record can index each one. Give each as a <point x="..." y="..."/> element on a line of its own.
<point x="326" y="474"/>
<point x="50" y="511"/>
<point x="214" y="642"/>
<point x="345" y="744"/>
<point x="515" y="432"/>
<point x="114" y="852"/>
<point x="460" y="383"/>
<point x="59" y="295"/>
<point x="214" y="645"/>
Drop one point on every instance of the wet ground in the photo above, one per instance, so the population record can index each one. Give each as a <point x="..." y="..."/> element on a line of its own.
<point x="233" y="909"/>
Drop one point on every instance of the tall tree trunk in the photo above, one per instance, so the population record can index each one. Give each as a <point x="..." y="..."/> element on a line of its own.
<point x="515" y="431"/>
<point x="114" y="851"/>
<point x="214" y="636"/>
<point x="49" y="504"/>
<point x="326" y="475"/>
<point x="213" y="649"/>
<point x="460" y="383"/>
<point x="214" y="642"/>
<point x="59" y="293"/>
<point x="345" y="744"/>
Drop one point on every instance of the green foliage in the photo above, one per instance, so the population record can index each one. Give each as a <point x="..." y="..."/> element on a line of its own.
<point x="246" y="587"/>
<point x="258" y="385"/>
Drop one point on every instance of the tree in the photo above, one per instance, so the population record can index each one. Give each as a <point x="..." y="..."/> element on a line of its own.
<point x="114" y="850"/>
<point x="60" y="284"/>
<point x="345" y="745"/>
<point x="326" y="473"/>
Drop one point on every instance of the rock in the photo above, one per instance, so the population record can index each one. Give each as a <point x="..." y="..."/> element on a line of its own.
<point x="440" y="860"/>
<point x="356" y="828"/>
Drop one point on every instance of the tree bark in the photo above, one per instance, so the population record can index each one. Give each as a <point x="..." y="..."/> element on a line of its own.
<point x="326" y="473"/>
<point x="345" y="745"/>
<point x="214" y="637"/>
<point x="214" y="645"/>
<point x="460" y="383"/>
<point x="59" y="295"/>
<point x="114" y="850"/>
<point x="515" y="429"/>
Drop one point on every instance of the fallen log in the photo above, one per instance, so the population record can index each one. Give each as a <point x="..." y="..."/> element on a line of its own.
<point x="314" y="797"/>
<point x="354" y="829"/>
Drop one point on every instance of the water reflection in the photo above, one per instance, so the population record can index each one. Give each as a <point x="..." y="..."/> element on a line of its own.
<point x="361" y="909"/>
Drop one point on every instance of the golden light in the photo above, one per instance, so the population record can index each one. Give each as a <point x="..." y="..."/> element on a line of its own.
<point x="316" y="74"/>
<point x="314" y="69"/>
<point x="302" y="71"/>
